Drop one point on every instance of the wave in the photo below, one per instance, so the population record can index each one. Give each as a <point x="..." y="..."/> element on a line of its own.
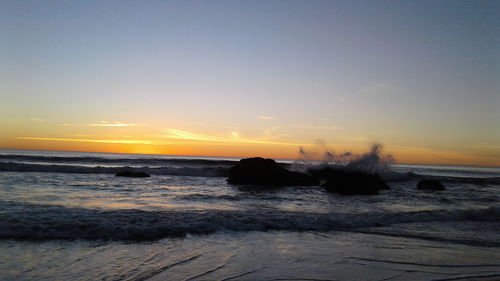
<point x="211" y="170"/>
<point x="107" y="160"/>
<point x="44" y="222"/>
<point x="177" y="171"/>
<point x="208" y="197"/>
<point x="457" y="179"/>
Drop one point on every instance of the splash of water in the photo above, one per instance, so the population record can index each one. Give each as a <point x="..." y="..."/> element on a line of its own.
<point x="372" y="161"/>
<point x="320" y="155"/>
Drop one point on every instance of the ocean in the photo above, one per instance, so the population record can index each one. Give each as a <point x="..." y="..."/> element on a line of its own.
<point x="65" y="216"/>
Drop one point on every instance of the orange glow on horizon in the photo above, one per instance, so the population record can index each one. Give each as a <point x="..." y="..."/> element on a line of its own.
<point x="87" y="140"/>
<point x="271" y="142"/>
<point x="409" y="155"/>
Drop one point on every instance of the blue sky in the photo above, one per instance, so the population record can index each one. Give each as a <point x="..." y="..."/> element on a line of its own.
<point x="414" y="75"/>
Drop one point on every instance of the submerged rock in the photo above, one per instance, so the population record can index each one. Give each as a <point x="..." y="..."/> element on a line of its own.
<point x="131" y="174"/>
<point x="353" y="183"/>
<point x="430" y="185"/>
<point x="267" y="172"/>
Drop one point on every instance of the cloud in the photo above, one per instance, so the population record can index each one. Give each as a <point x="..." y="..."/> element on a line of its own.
<point x="316" y="127"/>
<point x="233" y="137"/>
<point x="111" y="124"/>
<point x="269" y="118"/>
<point x="88" y="140"/>
<point x="323" y="86"/>
<point x="186" y="135"/>
<point x="357" y="139"/>
<point x="276" y="132"/>
<point x="34" y="119"/>
<point x="375" y="88"/>
<point x="484" y="149"/>
<point x="483" y="146"/>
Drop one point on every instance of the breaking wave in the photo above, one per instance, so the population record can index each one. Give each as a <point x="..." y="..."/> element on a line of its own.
<point x="210" y="171"/>
<point x="320" y="156"/>
<point x="106" y="160"/>
<point x="45" y="222"/>
<point x="481" y="180"/>
<point x="210" y="168"/>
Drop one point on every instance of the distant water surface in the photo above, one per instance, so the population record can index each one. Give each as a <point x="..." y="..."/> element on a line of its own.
<point x="65" y="215"/>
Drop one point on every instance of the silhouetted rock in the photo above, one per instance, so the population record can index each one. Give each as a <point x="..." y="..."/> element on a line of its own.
<point x="267" y="172"/>
<point x="131" y="174"/>
<point x="353" y="182"/>
<point x="320" y="172"/>
<point x="430" y="185"/>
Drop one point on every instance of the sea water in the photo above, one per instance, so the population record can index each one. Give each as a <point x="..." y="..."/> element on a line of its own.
<point x="65" y="216"/>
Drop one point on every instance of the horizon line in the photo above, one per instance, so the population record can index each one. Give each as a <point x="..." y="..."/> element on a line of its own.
<point x="237" y="157"/>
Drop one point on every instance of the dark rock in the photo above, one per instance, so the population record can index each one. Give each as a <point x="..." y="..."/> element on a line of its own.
<point x="353" y="183"/>
<point x="321" y="172"/>
<point x="260" y="171"/>
<point x="430" y="185"/>
<point x="131" y="174"/>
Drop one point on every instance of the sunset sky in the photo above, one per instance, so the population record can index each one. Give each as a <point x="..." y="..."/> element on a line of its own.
<point x="248" y="78"/>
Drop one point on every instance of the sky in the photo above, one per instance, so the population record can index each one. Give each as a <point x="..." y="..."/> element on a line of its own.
<point x="253" y="78"/>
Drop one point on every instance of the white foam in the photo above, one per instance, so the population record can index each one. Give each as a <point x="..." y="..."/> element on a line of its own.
<point x="25" y="221"/>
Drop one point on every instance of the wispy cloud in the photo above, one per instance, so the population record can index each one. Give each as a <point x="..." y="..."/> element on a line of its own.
<point x="485" y="149"/>
<point x="186" y="135"/>
<point x="34" y="119"/>
<point x="276" y="132"/>
<point x="88" y="140"/>
<point x="484" y="146"/>
<point x="316" y="127"/>
<point x="375" y="88"/>
<point x="357" y="139"/>
<point x="111" y="124"/>
<point x="233" y="137"/>
<point x="323" y="86"/>
<point x="269" y="118"/>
